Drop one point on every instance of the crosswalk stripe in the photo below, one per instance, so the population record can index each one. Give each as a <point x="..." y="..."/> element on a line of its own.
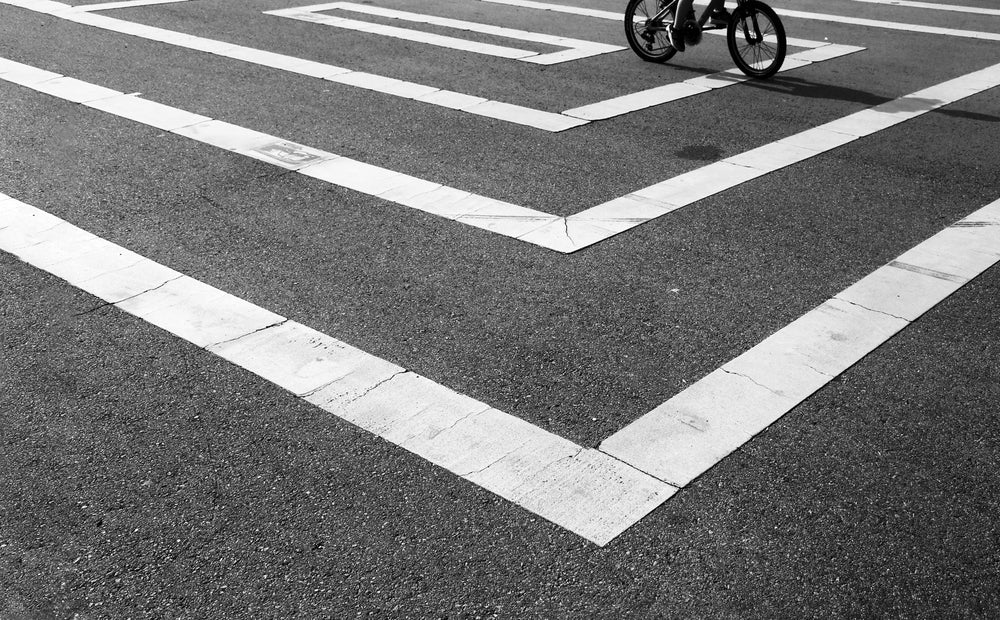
<point x="688" y="434"/>
<point x="580" y="489"/>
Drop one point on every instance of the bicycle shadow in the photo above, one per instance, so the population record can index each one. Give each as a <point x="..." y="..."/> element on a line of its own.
<point x="798" y="87"/>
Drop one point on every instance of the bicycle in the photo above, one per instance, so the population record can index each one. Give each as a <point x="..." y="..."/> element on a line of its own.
<point x="755" y="36"/>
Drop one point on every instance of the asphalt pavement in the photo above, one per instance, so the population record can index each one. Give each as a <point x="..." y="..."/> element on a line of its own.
<point x="144" y="477"/>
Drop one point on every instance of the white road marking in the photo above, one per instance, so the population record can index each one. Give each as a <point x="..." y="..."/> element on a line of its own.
<point x="659" y="95"/>
<point x="561" y="8"/>
<point x="596" y="494"/>
<point x="580" y="489"/>
<point x="539" y="119"/>
<point x="937" y="7"/>
<point x="562" y="234"/>
<point x="577" y="48"/>
<point x="875" y="23"/>
<point x="124" y="4"/>
<point x="688" y="434"/>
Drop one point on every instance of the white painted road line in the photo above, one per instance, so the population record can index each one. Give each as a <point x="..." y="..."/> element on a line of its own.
<point x="562" y="234"/>
<point x="659" y="95"/>
<point x="610" y="218"/>
<point x="580" y="489"/>
<point x="538" y="119"/>
<point x="934" y="6"/>
<point x="124" y="4"/>
<point x="875" y="23"/>
<point x="577" y="48"/>
<point x="561" y="8"/>
<point x="688" y="434"/>
<point x="596" y="494"/>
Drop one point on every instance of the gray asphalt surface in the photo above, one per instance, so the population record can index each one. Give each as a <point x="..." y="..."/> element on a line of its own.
<point x="143" y="477"/>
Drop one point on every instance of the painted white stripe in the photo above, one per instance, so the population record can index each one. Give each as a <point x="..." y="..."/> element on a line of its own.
<point x="875" y="23"/>
<point x="561" y="234"/>
<point x="659" y="95"/>
<point x="546" y="121"/>
<point x="124" y="4"/>
<point x="529" y="117"/>
<point x="561" y="8"/>
<point x="407" y="34"/>
<point x="937" y="7"/>
<point x="688" y="434"/>
<point x="578" y="48"/>
<point x="581" y="489"/>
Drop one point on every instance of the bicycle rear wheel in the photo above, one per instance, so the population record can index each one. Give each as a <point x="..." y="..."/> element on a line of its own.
<point x="756" y="39"/>
<point x="648" y="40"/>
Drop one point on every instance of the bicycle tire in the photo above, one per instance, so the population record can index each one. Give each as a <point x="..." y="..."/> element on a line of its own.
<point x="652" y="45"/>
<point x="761" y="58"/>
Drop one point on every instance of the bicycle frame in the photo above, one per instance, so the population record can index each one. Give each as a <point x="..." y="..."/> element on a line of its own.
<point x="668" y="8"/>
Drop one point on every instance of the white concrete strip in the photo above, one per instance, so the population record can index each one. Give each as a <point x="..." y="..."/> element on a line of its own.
<point x="125" y="4"/>
<point x="685" y="436"/>
<point x="578" y="48"/>
<point x="580" y="489"/>
<point x="539" y="119"/>
<point x="935" y="6"/>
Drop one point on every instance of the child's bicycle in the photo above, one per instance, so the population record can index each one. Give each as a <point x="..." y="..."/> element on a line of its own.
<point x="755" y="35"/>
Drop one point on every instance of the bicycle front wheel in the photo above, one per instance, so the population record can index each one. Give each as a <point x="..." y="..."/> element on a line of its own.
<point x="756" y="39"/>
<point x="648" y="39"/>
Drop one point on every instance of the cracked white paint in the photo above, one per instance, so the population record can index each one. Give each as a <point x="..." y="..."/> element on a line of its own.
<point x="683" y="437"/>
<point x="584" y="491"/>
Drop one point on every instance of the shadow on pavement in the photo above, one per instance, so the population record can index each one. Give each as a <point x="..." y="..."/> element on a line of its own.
<point x="798" y="87"/>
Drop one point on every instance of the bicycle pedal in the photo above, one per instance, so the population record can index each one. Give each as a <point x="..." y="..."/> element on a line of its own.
<point x="692" y="36"/>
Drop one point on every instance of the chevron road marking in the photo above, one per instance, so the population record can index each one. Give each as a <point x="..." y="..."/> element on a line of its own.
<point x="577" y="48"/>
<point x="875" y="23"/>
<point x="580" y="489"/>
<point x="822" y="17"/>
<point x="521" y="115"/>
<point x="596" y="494"/>
<point x="933" y="6"/>
<point x="688" y="434"/>
<point x="124" y="4"/>
<point x="562" y="234"/>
